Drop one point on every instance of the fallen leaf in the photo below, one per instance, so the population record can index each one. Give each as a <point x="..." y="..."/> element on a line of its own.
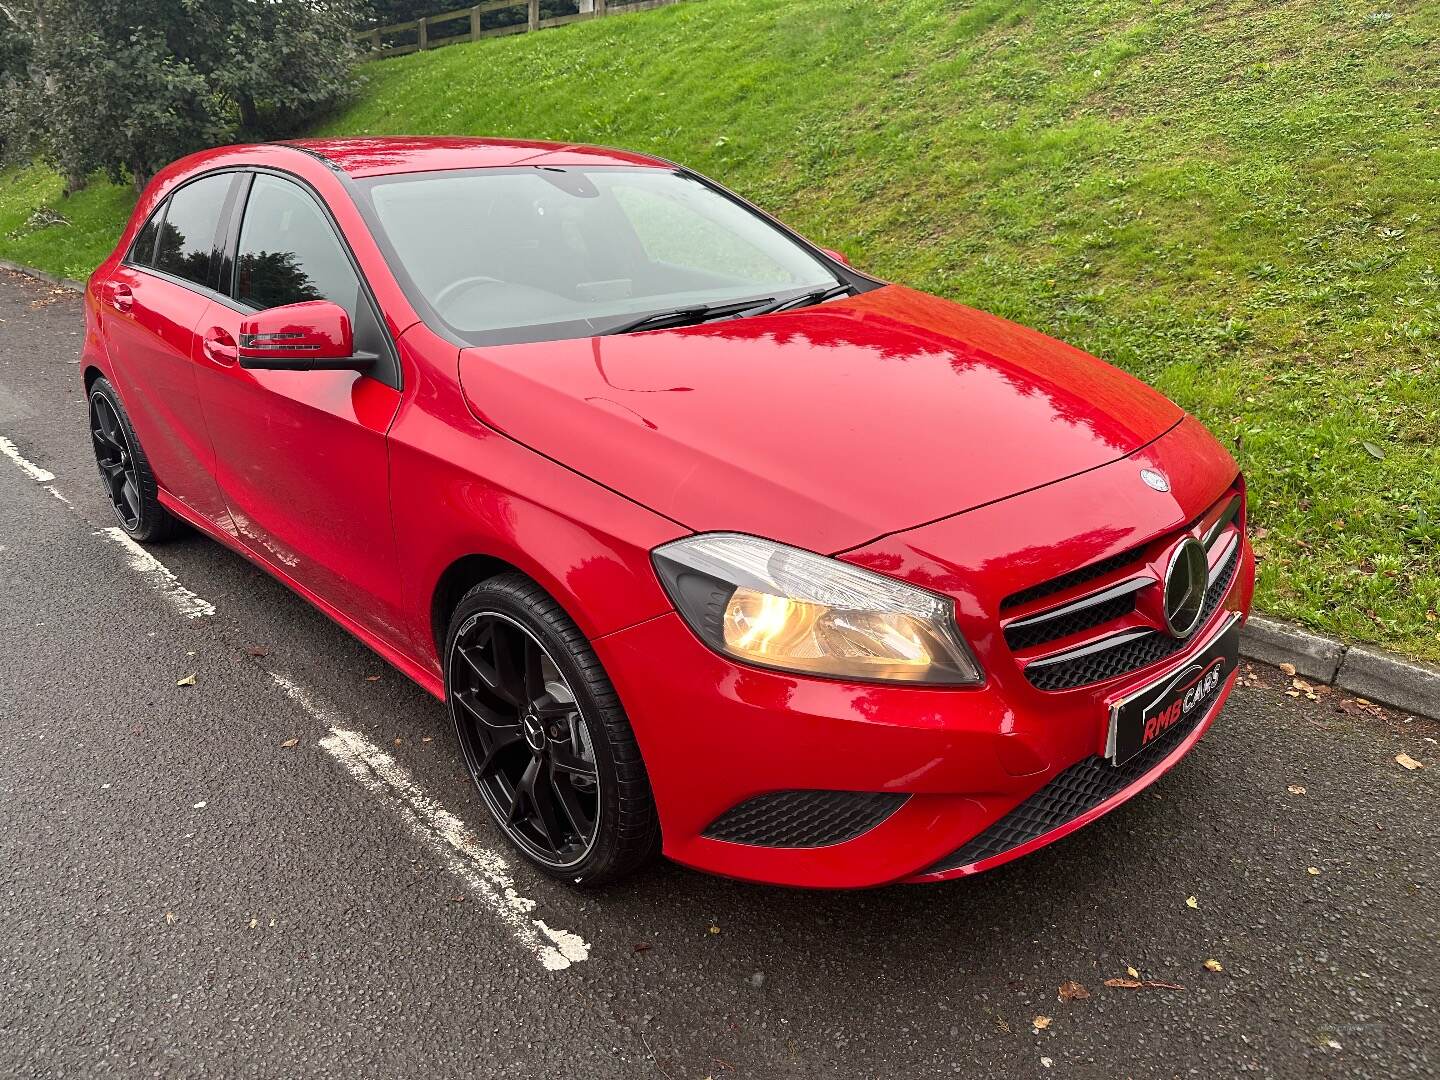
<point x="169" y="918"/>
<point x="289" y="743"/>
<point x="1046" y="1062"/>
<point x="1408" y="762"/>
<point x="1124" y="984"/>
<point x="1213" y="965"/>
<point x="372" y="678"/>
<point x="1301" y="684"/>
<point x="1374" y="451"/>
<point x="1259" y="534"/>
<point x="641" y="946"/>
<point x="425" y="738"/>
<point x="714" y="929"/>
<point x="399" y="741"/>
<point x="1070" y="990"/>
<point x="254" y="923"/>
<point x="1040" y="1023"/>
<point x="1296" y="789"/>
<point x="1313" y="871"/>
<point x="256" y="650"/>
<point x="1288" y="669"/>
<point x="1164" y="985"/>
<point x="188" y="680"/>
<point x="1132" y="973"/>
<point x="1191" y="902"/>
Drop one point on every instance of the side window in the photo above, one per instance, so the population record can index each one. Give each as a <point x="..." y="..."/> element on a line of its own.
<point x="289" y="252"/>
<point x="142" y="251"/>
<point x="187" y="245"/>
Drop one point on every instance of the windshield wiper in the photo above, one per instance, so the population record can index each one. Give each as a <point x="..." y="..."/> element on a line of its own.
<point x="688" y="316"/>
<point x="815" y="296"/>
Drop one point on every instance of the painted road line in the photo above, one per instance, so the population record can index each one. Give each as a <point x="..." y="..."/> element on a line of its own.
<point x="158" y="575"/>
<point x="29" y="468"/>
<point x="486" y="873"/>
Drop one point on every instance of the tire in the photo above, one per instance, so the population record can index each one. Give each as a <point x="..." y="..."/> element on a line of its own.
<point x="125" y="475"/>
<point x="494" y="692"/>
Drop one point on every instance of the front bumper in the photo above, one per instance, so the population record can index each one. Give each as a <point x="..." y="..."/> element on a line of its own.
<point x="950" y="772"/>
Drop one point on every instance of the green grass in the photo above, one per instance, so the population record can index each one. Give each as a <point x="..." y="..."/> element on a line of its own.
<point x="1235" y="201"/>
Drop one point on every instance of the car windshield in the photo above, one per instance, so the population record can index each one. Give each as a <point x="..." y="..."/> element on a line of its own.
<point x="539" y="253"/>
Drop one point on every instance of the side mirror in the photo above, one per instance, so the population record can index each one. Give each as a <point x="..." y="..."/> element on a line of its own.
<point x="837" y="256"/>
<point x="308" y="336"/>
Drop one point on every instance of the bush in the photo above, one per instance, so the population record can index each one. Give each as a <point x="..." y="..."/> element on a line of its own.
<point x="125" y="86"/>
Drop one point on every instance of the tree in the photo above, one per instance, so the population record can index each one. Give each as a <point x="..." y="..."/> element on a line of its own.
<point x="128" y="85"/>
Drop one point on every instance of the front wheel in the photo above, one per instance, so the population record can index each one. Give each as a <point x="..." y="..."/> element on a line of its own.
<point x="544" y="736"/>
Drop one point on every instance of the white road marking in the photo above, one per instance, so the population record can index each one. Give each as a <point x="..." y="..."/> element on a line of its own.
<point x="56" y="492"/>
<point x="158" y="575"/>
<point x="29" y="468"/>
<point x="485" y="872"/>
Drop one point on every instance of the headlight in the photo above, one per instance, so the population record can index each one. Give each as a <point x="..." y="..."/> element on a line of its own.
<point x="785" y="608"/>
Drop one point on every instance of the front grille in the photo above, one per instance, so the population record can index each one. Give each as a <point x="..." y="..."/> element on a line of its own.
<point x="1021" y="637"/>
<point x="804" y="819"/>
<point x="1130" y="653"/>
<point x="1070" y="580"/>
<point x="1079" y="788"/>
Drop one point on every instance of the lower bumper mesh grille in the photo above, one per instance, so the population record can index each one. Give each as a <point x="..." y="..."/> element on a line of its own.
<point x="804" y="819"/>
<point x="1079" y="788"/>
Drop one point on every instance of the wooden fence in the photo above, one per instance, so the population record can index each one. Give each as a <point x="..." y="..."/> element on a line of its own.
<point x="464" y="24"/>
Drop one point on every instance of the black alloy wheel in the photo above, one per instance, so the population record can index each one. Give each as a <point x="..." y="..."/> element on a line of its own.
<point x="129" y="484"/>
<point x="544" y="736"/>
<point x="117" y="463"/>
<point x="525" y="741"/>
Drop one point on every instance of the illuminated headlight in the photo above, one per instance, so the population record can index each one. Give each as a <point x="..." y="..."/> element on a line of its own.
<point x="785" y="608"/>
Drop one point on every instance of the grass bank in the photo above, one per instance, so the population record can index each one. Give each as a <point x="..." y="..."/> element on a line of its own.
<point x="1235" y="201"/>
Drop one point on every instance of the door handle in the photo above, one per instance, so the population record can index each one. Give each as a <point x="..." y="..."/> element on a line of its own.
<point x="120" y="296"/>
<point x="219" y="347"/>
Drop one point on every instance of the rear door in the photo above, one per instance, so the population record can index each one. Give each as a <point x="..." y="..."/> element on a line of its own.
<point x="301" y="455"/>
<point x="152" y="303"/>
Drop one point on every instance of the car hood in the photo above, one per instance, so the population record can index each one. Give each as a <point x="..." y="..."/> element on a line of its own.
<point x="823" y="427"/>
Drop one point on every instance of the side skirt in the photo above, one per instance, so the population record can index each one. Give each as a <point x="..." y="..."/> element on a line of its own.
<point x="406" y="664"/>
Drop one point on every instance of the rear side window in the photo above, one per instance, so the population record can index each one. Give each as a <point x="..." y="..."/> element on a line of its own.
<point x="289" y="252"/>
<point x="187" y="245"/>
<point x="142" y="251"/>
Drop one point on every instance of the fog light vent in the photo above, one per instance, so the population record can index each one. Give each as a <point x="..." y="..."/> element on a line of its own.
<point x="804" y="819"/>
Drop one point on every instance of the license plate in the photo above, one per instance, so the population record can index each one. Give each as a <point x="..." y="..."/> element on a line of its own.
<point x="1144" y="716"/>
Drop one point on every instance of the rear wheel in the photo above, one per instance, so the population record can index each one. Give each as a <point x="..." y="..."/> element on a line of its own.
<point x="124" y="470"/>
<point x="544" y="736"/>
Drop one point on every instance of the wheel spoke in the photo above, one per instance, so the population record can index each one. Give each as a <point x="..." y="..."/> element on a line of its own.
<point x="568" y="799"/>
<point x="490" y="718"/>
<point x="564" y="759"/>
<point x="545" y="801"/>
<point x="132" y="497"/>
<point x="501" y="742"/>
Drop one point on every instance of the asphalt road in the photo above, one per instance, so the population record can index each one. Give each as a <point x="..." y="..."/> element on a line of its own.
<point x="184" y="891"/>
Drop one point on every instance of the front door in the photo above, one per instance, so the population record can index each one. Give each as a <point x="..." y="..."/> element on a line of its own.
<point x="301" y="455"/>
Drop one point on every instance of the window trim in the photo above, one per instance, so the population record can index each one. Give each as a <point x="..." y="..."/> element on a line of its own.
<point x="388" y="371"/>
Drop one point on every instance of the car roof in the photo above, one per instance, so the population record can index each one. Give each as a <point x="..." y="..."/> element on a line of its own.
<point x="378" y="156"/>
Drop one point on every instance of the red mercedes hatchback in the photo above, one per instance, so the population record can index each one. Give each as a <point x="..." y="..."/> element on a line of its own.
<point x="709" y="542"/>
